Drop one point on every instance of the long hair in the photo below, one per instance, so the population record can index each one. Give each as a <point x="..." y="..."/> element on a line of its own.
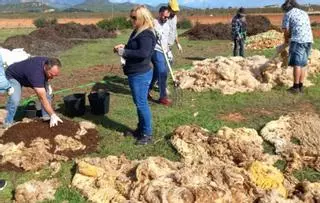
<point x="144" y="17"/>
<point x="289" y="4"/>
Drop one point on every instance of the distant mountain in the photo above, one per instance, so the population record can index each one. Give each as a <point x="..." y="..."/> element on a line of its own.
<point x="52" y="3"/>
<point x="104" y="5"/>
<point x="24" y="7"/>
<point x="70" y="5"/>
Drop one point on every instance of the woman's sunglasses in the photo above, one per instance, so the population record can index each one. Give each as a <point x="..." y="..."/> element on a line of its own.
<point x="133" y="17"/>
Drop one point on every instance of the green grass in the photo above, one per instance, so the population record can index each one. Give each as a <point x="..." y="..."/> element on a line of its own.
<point x="307" y="174"/>
<point x="209" y="106"/>
<point x="95" y="52"/>
<point x="7" y="32"/>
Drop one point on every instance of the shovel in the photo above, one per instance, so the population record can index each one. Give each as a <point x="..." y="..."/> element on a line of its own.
<point x="177" y="91"/>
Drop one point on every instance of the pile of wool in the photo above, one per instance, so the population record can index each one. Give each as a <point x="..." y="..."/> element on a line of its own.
<point x="227" y="166"/>
<point x="214" y="168"/>
<point x="238" y="146"/>
<point x="36" y="191"/>
<point x="266" y="40"/>
<point x="236" y="74"/>
<point x="296" y="137"/>
<point x="156" y="179"/>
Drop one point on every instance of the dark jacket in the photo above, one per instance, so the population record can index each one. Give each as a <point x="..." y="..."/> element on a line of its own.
<point x="138" y="52"/>
<point x="29" y="73"/>
<point x="239" y="28"/>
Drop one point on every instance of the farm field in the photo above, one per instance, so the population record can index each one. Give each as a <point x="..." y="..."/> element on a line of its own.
<point x="275" y="19"/>
<point x="19" y="22"/>
<point x="94" y="61"/>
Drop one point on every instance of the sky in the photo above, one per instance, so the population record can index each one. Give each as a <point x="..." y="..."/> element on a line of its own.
<point x="220" y="3"/>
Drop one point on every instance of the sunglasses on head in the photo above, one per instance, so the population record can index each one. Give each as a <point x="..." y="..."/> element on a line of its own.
<point x="133" y="17"/>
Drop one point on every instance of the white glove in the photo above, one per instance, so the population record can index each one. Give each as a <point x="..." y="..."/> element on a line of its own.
<point x="122" y="61"/>
<point x="170" y="56"/>
<point x="10" y="91"/>
<point x="54" y="120"/>
<point x="179" y="47"/>
<point x="120" y="51"/>
<point x="50" y="91"/>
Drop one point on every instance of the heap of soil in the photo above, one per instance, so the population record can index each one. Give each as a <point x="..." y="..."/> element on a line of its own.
<point x="255" y="25"/>
<point x="209" y="32"/>
<point x="49" y="41"/>
<point x="27" y="132"/>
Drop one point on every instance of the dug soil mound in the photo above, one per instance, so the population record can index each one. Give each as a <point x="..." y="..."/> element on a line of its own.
<point x="209" y="32"/>
<point x="80" y="77"/>
<point x="30" y="145"/>
<point x="237" y="74"/>
<point x="227" y="166"/>
<point x="50" y="41"/>
<point x="255" y="25"/>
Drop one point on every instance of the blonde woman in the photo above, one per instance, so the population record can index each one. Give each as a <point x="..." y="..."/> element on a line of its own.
<point x="137" y="54"/>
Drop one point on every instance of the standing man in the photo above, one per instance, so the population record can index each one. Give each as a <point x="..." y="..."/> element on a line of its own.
<point x="35" y="73"/>
<point x="172" y="21"/>
<point x="160" y="72"/>
<point x="239" y="32"/>
<point x="298" y="35"/>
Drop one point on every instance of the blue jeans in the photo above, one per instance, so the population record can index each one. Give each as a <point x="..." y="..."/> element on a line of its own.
<point x="160" y="73"/>
<point x="139" y="85"/>
<point x="299" y="53"/>
<point x="14" y="100"/>
<point x="238" y="47"/>
<point x="4" y="83"/>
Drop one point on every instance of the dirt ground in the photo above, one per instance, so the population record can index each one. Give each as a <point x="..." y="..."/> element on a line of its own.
<point x="275" y="19"/>
<point x="27" y="22"/>
<point x="316" y="33"/>
<point x="28" y="132"/>
<point x="78" y="77"/>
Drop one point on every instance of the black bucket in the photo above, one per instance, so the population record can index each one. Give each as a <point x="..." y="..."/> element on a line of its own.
<point x="99" y="102"/>
<point x="30" y="110"/>
<point x="75" y="104"/>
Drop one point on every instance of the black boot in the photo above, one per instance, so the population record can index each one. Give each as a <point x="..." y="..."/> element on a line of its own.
<point x="144" y="140"/>
<point x="294" y="89"/>
<point x="134" y="133"/>
<point x="301" y="87"/>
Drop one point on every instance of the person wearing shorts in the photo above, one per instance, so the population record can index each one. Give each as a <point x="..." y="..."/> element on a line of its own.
<point x="298" y="35"/>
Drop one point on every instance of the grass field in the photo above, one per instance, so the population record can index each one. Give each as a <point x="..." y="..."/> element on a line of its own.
<point x="210" y="106"/>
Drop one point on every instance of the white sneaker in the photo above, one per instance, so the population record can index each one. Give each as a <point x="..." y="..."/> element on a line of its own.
<point x="3" y="184"/>
<point x="10" y="91"/>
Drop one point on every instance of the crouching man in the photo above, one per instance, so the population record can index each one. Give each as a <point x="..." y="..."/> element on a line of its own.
<point x="34" y="73"/>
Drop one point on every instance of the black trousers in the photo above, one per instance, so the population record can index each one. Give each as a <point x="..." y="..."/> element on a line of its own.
<point x="238" y="48"/>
